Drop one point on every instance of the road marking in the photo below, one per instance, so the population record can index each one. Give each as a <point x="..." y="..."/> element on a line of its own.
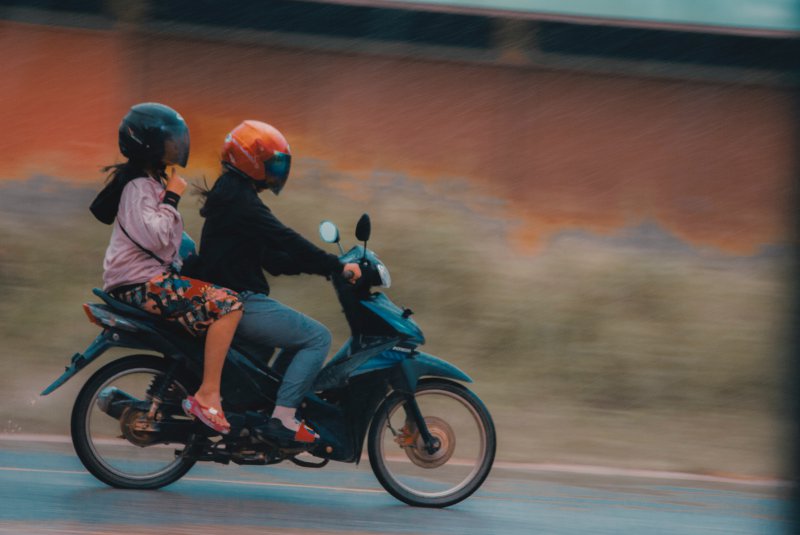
<point x="552" y="468"/>
<point x="41" y="470"/>
<point x="287" y="485"/>
<point x="30" y="437"/>
<point x="209" y="480"/>
<point x="591" y="470"/>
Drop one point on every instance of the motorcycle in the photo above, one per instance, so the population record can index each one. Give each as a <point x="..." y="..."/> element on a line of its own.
<point x="430" y="440"/>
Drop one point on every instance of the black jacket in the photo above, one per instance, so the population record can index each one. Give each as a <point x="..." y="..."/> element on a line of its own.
<point x="241" y="237"/>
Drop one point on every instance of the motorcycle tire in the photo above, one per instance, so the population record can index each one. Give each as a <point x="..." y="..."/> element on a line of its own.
<point x="481" y="467"/>
<point x="80" y="425"/>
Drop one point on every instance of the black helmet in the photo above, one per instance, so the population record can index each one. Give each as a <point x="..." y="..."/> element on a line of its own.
<point x="152" y="134"/>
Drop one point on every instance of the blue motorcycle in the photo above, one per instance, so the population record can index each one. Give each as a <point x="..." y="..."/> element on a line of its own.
<point x="430" y="440"/>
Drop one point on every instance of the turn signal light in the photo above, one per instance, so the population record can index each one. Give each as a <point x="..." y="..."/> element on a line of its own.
<point x="89" y="315"/>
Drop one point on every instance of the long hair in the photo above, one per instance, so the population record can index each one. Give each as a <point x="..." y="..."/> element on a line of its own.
<point x="106" y="204"/>
<point x="124" y="172"/>
<point x="224" y="191"/>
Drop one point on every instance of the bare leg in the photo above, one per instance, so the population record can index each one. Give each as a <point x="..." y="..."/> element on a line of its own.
<point x="218" y="341"/>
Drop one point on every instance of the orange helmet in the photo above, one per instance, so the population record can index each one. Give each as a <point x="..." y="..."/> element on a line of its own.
<point x="259" y="151"/>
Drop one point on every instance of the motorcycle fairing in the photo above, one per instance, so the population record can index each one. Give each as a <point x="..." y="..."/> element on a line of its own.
<point x="343" y="426"/>
<point x="346" y="361"/>
<point x="331" y="423"/>
<point x="395" y="316"/>
<point x="247" y="383"/>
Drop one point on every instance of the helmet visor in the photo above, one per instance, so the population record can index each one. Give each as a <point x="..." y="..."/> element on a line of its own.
<point x="176" y="144"/>
<point x="277" y="170"/>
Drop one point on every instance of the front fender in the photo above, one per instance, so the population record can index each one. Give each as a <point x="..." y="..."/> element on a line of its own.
<point x="423" y="364"/>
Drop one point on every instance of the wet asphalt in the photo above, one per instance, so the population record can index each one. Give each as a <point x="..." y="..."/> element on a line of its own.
<point x="45" y="490"/>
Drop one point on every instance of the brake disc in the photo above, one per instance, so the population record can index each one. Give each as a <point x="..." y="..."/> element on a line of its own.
<point x="418" y="453"/>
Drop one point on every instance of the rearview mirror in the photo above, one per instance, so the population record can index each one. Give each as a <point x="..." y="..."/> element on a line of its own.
<point x="363" y="228"/>
<point x="329" y="232"/>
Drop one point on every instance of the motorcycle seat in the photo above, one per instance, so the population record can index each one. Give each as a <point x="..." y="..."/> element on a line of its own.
<point x="122" y="308"/>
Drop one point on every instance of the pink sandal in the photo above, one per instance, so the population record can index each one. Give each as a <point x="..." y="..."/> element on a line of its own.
<point x="192" y="407"/>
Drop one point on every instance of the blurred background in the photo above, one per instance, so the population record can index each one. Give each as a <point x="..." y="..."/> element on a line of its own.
<point x="587" y="204"/>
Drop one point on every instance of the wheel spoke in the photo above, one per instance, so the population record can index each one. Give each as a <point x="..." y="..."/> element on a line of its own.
<point x="115" y="434"/>
<point x="128" y="446"/>
<point x="465" y="436"/>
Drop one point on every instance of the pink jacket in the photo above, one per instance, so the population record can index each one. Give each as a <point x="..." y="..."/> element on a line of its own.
<point x="154" y="225"/>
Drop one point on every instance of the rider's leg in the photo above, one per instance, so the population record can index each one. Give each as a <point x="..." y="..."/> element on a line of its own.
<point x="282" y="361"/>
<point x="300" y="375"/>
<point x="268" y="323"/>
<point x="218" y="340"/>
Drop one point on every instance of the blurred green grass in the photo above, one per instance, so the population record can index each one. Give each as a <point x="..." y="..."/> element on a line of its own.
<point x="592" y="351"/>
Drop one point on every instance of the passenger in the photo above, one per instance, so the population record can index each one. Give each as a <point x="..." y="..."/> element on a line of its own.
<point x="241" y="237"/>
<point x="141" y="263"/>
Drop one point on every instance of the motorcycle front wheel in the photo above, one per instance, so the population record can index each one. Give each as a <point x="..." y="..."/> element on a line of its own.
<point x="463" y="428"/>
<point x="114" y="436"/>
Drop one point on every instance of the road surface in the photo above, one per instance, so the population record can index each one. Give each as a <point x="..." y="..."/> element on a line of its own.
<point x="45" y="490"/>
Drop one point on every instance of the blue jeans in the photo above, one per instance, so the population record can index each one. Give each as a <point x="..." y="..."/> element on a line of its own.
<point x="304" y="342"/>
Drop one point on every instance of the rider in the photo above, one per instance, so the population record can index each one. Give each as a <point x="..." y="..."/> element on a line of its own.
<point x="141" y="263"/>
<point x="241" y="238"/>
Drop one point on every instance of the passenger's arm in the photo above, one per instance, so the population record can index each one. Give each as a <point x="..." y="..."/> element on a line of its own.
<point x="148" y="220"/>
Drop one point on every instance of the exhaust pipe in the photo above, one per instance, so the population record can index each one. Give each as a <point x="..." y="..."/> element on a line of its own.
<point x="114" y="401"/>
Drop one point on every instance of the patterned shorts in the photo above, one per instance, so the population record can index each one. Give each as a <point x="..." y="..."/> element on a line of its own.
<point x="192" y="303"/>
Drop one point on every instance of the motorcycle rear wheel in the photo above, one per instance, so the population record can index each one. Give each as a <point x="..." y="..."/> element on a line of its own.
<point x="115" y="453"/>
<point x="459" y="420"/>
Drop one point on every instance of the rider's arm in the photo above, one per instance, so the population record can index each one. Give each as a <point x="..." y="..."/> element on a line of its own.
<point x="279" y="263"/>
<point x="286" y="251"/>
<point x="153" y="221"/>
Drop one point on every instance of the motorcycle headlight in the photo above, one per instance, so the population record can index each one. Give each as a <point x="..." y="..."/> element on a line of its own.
<point x="386" y="279"/>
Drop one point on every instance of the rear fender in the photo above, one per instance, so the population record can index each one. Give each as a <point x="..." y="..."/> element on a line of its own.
<point x="134" y="330"/>
<point x="104" y="341"/>
<point x="113" y="338"/>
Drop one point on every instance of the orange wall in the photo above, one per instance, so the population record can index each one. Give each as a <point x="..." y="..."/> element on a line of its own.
<point x="712" y="163"/>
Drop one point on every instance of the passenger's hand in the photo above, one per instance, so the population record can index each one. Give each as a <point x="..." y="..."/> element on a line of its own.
<point x="354" y="272"/>
<point x="176" y="183"/>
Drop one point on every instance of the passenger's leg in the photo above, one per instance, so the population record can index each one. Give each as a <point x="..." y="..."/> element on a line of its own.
<point x="217" y="308"/>
<point x="218" y="340"/>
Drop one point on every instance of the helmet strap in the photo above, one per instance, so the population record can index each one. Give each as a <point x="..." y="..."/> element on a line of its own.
<point x="259" y="185"/>
<point x="232" y="169"/>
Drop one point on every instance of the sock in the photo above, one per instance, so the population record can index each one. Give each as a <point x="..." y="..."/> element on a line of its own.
<point x="286" y="416"/>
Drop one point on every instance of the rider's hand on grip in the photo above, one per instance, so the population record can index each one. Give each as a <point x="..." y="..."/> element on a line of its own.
<point x="351" y="272"/>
